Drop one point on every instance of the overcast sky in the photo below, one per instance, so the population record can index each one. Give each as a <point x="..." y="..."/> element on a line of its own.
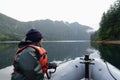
<point x="86" y="12"/>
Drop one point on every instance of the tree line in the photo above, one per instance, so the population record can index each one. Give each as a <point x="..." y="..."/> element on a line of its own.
<point x="109" y="24"/>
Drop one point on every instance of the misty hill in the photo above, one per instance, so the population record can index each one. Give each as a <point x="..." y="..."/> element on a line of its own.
<point x="12" y="29"/>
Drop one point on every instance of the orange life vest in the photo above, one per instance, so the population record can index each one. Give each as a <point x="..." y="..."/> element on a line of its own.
<point x="43" y="60"/>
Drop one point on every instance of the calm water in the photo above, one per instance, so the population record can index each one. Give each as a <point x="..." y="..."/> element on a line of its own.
<point x="56" y="51"/>
<point x="60" y="51"/>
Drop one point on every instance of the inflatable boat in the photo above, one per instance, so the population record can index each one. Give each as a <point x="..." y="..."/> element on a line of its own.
<point x="85" y="68"/>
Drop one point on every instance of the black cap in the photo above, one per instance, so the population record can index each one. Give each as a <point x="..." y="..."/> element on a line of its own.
<point x="34" y="35"/>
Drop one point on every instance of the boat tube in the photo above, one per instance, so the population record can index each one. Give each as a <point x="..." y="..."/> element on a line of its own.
<point x="83" y="67"/>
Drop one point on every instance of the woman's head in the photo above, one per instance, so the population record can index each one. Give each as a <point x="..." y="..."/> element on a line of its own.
<point x="34" y="35"/>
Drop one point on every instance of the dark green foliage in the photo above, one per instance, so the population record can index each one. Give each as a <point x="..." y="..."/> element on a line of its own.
<point x="109" y="52"/>
<point x="95" y="36"/>
<point x="110" y="23"/>
<point x="11" y="29"/>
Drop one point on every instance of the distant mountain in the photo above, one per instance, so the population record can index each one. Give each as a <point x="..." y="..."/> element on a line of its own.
<point x="12" y="29"/>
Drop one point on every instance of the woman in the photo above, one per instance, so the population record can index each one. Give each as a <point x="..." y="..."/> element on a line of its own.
<point x="31" y="61"/>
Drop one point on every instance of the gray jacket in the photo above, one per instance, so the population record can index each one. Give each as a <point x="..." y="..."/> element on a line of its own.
<point x="27" y="66"/>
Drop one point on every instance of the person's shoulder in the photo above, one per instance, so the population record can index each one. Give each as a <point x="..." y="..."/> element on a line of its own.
<point x="29" y="49"/>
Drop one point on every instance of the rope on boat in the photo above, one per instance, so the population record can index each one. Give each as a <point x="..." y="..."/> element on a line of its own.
<point x="110" y="71"/>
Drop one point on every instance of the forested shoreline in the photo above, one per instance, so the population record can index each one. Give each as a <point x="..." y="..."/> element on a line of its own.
<point x="109" y="31"/>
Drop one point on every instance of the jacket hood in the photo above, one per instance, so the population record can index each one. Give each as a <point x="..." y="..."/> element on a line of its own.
<point x="24" y="43"/>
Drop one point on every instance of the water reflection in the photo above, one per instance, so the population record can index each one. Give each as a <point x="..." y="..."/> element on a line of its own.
<point x="56" y="51"/>
<point x="6" y="54"/>
<point x="60" y="51"/>
<point x="109" y="52"/>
